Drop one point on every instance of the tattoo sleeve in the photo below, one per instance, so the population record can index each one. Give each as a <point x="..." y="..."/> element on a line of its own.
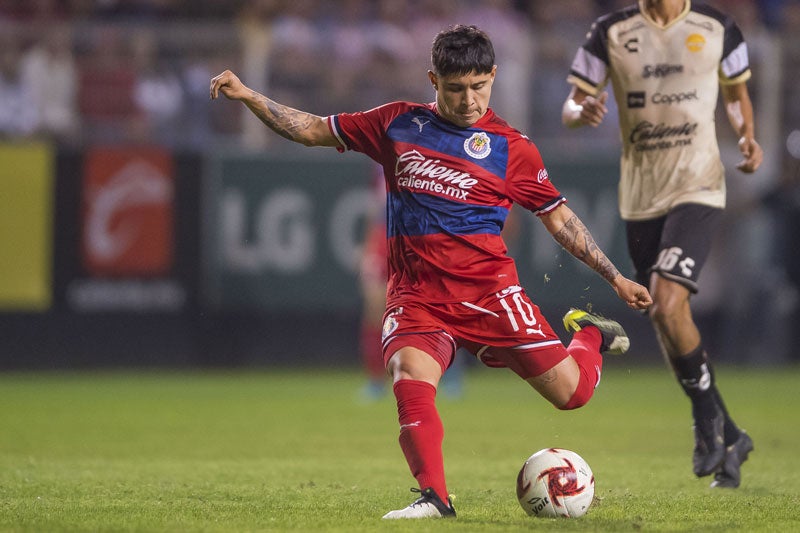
<point x="576" y="239"/>
<point x="283" y="120"/>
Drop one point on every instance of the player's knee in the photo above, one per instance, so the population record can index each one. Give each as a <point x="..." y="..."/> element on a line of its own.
<point x="583" y="393"/>
<point x="669" y="317"/>
<point x="414" y="364"/>
<point x="670" y="304"/>
<point x="661" y="311"/>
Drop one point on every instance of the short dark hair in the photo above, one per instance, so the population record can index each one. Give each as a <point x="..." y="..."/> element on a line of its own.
<point x="460" y="50"/>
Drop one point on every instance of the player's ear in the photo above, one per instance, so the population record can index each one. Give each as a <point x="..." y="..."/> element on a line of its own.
<point x="434" y="80"/>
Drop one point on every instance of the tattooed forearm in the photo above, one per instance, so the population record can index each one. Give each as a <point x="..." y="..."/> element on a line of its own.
<point x="576" y="239"/>
<point x="285" y="121"/>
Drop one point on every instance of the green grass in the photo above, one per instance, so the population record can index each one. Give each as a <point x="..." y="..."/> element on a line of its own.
<point x="297" y="451"/>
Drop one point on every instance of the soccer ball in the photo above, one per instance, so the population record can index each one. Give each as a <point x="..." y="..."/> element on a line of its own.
<point x="555" y="483"/>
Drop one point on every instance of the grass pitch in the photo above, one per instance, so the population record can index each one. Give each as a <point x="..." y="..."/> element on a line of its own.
<point x="299" y="451"/>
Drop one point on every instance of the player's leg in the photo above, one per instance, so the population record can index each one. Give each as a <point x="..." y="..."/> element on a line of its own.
<point x="570" y="383"/>
<point x="560" y="383"/>
<point x="565" y="376"/>
<point x="416" y="362"/>
<point x="681" y="345"/>
<point x="372" y="278"/>
<point x="593" y="337"/>
<point x="683" y="243"/>
<point x="720" y="446"/>
<point x="415" y="376"/>
<point x="374" y="304"/>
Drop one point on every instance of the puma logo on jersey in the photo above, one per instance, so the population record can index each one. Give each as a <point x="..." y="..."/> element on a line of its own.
<point x="538" y="331"/>
<point x="420" y="123"/>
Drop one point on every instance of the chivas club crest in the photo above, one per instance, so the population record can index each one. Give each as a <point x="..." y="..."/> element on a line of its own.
<point x="390" y="324"/>
<point x="478" y="146"/>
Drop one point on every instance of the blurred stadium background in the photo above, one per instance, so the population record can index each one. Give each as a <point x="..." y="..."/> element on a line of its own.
<point x="143" y="226"/>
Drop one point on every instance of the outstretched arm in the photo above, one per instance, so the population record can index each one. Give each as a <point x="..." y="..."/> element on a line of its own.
<point x="297" y="126"/>
<point x="568" y="231"/>
<point x="582" y="109"/>
<point x="740" y="114"/>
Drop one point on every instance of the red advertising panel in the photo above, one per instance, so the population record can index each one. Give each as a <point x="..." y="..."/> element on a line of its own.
<point x="127" y="212"/>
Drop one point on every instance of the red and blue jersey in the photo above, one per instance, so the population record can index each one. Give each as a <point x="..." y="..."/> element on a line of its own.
<point x="448" y="192"/>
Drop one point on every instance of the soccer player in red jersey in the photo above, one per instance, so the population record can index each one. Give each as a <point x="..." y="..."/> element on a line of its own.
<point x="373" y="274"/>
<point x="453" y="169"/>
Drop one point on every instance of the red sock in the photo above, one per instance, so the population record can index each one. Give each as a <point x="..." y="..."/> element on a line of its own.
<point x="371" y="352"/>
<point x="421" y="433"/>
<point x="585" y="349"/>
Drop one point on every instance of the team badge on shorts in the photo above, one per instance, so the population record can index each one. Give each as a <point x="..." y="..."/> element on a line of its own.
<point x="478" y="146"/>
<point x="390" y="324"/>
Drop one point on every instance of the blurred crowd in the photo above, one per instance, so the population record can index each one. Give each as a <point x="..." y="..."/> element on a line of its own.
<point x="79" y="72"/>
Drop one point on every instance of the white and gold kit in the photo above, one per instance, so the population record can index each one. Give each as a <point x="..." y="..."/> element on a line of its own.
<point x="666" y="82"/>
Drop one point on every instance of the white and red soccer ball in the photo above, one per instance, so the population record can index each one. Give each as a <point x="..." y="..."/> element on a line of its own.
<point x="555" y="483"/>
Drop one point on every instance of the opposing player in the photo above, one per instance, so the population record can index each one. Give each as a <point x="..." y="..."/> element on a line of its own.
<point x="668" y="60"/>
<point x="453" y="169"/>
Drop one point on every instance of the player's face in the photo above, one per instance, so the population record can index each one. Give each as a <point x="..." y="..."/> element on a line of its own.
<point x="463" y="100"/>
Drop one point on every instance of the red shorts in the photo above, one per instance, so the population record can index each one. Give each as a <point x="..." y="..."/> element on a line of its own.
<point x="504" y="329"/>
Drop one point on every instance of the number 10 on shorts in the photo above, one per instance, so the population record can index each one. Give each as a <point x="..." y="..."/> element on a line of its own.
<point x="523" y="308"/>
